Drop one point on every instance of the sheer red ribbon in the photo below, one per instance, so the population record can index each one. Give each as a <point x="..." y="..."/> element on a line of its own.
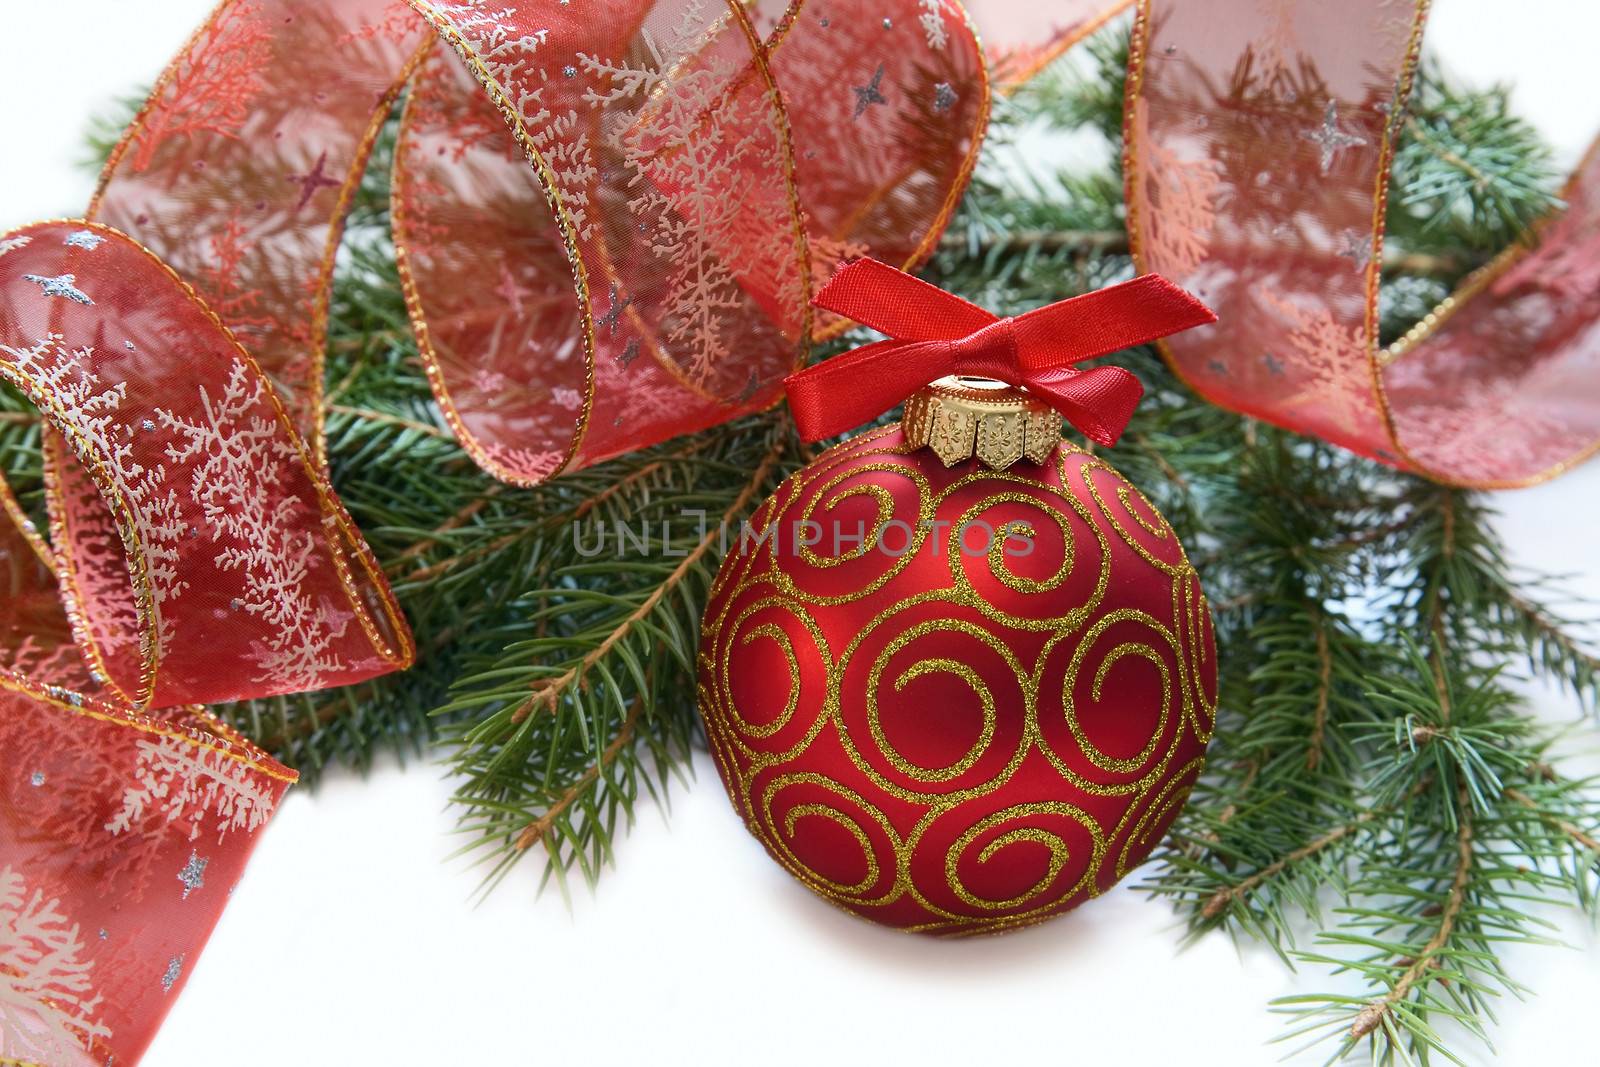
<point x="1024" y="36"/>
<point x="1259" y="139"/>
<point x="608" y="220"/>
<point x="934" y="333"/>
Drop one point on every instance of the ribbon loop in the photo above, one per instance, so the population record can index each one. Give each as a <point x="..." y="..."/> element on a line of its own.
<point x="893" y="302"/>
<point x="933" y="333"/>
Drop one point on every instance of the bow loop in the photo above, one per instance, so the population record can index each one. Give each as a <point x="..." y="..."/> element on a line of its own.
<point x="892" y="302"/>
<point x="933" y="334"/>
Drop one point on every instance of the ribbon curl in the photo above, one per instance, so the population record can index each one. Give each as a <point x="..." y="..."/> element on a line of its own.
<point x="608" y="220"/>
<point x="1259" y="140"/>
<point x="934" y="333"/>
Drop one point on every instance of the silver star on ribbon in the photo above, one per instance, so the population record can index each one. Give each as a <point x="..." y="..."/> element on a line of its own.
<point x="1356" y="247"/>
<point x="61" y="286"/>
<point x="1329" y="138"/>
<point x="173" y="972"/>
<point x="193" y="875"/>
<point x="608" y="321"/>
<point x="87" y="240"/>
<point x="869" y="94"/>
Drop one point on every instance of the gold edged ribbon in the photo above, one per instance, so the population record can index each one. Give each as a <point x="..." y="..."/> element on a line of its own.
<point x="608" y="222"/>
<point x="1258" y="152"/>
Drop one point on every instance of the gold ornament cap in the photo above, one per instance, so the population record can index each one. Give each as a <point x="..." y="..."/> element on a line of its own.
<point x="962" y="417"/>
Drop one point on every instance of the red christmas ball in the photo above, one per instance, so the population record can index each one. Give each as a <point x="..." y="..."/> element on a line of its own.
<point x="957" y="699"/>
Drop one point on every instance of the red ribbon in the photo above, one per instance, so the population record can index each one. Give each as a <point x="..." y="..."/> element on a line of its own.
<point x="933" y="333"/>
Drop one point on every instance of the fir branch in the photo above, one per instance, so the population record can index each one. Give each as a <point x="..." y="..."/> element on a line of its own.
<point x="1078" y="242"/>
<point x="1224" y="898"/>
<point x="1581" y="837"/>
<point x="1319" y="719"/>
<point x="1374" y="1014"/>
<point x="1468" y="175"/>
<point x="536" y="830"/>
<point x="551" y="731"/>
<point x="454" y="522"/>
<point x="547" y="692"/>
<point x="1552" y="645"/>
<point x="385" y="419"/>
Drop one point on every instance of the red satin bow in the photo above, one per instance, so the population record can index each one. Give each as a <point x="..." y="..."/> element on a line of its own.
<point x="933" y="333"/>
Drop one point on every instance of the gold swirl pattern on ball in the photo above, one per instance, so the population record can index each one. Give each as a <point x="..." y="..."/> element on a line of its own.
<point x="1159" y="808"/>
<point x="1082" y="647"/>
<point x="1198" y="638"/>
<point x="1032" y="588"/>
<point x="955" y="770"/>
<point x="851" y="821"/>
<point x="738" y="729"/>
<point x="1075" y="688"/>
<point x="922" y="779"/>
<point x="881" y="496"/>
<point x="1125" y="494"/>
<point x="1032" y="832"/>
<point x="822" y="500"/>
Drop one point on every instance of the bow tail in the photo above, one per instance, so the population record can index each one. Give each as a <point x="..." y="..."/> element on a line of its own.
<point x="895" y="303"/>
<point x="1099" y="401"/>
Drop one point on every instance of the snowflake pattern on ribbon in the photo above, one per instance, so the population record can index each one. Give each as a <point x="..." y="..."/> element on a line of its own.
<point x="48" y="1004"/>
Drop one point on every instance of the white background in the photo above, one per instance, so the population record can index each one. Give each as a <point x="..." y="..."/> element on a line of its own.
<point x="352" y="940"/>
